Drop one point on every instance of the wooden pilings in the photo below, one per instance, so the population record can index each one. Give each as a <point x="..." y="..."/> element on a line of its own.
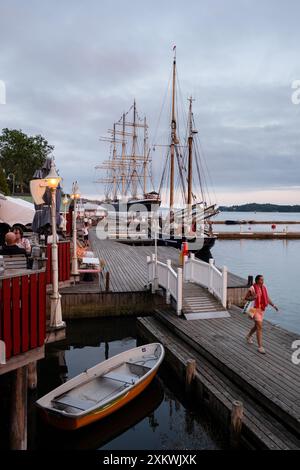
<point x="107" y="282"/>
<point x="32" y="375"/>
<point x="236" y="423"/>
<point x="190" y="373"/>
<point x="18" y="422"/>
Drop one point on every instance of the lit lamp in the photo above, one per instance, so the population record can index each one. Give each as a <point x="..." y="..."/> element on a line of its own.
<point x="52" y="181"/>
<point x="65" y="203"/>
<point x="75" y="196"/>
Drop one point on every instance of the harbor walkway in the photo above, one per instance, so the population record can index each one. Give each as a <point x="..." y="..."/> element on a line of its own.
<point x="272" y="379"/>
<point x="213" y="386"/>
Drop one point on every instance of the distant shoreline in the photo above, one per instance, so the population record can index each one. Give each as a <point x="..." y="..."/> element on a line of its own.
<point x="253" y="207"/>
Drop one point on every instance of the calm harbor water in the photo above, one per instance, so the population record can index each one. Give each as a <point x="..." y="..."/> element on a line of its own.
<point x="158" y="419"/>
<point x="277" y="260"/>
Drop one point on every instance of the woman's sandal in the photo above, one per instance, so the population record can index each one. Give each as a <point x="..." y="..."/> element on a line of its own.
<point x="261" y="350"/>
<point x="249" y="339"/>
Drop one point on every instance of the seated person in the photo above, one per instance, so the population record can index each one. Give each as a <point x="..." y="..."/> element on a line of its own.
<point x="11" y="247"/>
<point x="21" y="241"/>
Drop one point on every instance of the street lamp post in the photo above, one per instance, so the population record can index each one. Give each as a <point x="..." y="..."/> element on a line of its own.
<point x="65" y="203"/>
<point x="75" y="196"/>
<point x="52" y="181"/>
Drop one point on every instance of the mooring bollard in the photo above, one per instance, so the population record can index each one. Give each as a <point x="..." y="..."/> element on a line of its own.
<point x="236" y="423"/>
<point x="190" y="373"/>
<point x="107" y="281"/>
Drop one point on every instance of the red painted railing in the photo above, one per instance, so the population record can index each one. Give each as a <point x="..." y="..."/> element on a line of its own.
<point x="64" y="262"/>
<point x="23" y="312"/>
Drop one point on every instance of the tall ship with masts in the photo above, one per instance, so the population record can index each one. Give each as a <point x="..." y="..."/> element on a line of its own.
<point x="128" y="169"/>
<point x="185" y="179"/>
<point x="183" y="188"/>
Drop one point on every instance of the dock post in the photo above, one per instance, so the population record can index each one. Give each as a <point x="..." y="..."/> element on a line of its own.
<point x="168" y="296"/>
<point x="32" y="376"/>
<point x="179" y="290"/>
<point x="107" y="279"/>
<point x="190" y="373"/>
<point x="18" y="424"/>
<point x="236" y="423"/>
<point x="250" y="281"/>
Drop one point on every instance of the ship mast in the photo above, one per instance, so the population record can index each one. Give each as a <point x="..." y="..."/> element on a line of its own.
<point x="173" y="135"/>
<point x="134" y="139"/>
<point x="114" y="158"/>
<point x="190" y="146"/>
<point x="190" y="154"/>
<point x="123" y="155"/>
<point x="145" y="155"/>
<point x="125" y="169"/>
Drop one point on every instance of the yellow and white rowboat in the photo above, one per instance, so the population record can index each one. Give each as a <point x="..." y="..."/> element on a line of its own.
<point x="102" y="389"/>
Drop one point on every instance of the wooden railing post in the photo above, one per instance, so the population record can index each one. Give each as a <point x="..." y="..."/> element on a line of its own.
<point x="153" y="284"/>
<point x="179" y="290"/>
<point x="186" y="268"/>
<point x="168" y="299"/>
<point x="192" y="260"/>
<point x="149" y="269"/>
<point x="224" y="288"/>
<point x="210" y="276"/>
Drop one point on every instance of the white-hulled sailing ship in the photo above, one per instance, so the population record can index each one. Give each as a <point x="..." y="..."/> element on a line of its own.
<point x="129" y="165"/>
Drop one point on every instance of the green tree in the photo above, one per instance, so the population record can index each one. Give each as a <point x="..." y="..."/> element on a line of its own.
<point x="22" y="155"/>
<point x="3" y="182"/>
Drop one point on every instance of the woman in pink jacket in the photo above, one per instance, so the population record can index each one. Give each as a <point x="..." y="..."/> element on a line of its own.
<point x="258" y="292"/>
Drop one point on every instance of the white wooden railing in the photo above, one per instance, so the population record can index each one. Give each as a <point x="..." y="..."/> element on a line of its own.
<point x="207" y="275"/>
<point x="163" y="275"/>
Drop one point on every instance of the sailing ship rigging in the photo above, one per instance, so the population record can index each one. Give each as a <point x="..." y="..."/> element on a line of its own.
<point x="184" y="161"/>
<point x="183" y="175"/>
<point x="129" y="166"/>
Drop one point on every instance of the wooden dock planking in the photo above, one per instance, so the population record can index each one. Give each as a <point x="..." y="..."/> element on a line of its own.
<point x="264" y="430"/>
<point x="272" y="379"/>
<point x="127" y="264"/>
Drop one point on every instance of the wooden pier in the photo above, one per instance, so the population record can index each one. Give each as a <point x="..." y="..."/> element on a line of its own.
<point x="229" y="369"/>
<point x="257" y="235"/>
<point x="127" y="292"/>
<point x="257" y="222"/>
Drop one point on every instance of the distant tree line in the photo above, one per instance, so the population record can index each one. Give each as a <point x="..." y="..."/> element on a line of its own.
<point x="254" y="207"/>
<point x="20" y="156"/>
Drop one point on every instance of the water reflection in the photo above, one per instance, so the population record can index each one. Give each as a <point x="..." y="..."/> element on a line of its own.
<point x="98" y="434"/>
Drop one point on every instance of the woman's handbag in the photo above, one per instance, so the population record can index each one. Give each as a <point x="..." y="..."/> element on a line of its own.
<point x="249" y="309"/>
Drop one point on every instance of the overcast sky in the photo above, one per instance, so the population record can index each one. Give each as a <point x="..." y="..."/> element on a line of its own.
<point x="72" y="67"/>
